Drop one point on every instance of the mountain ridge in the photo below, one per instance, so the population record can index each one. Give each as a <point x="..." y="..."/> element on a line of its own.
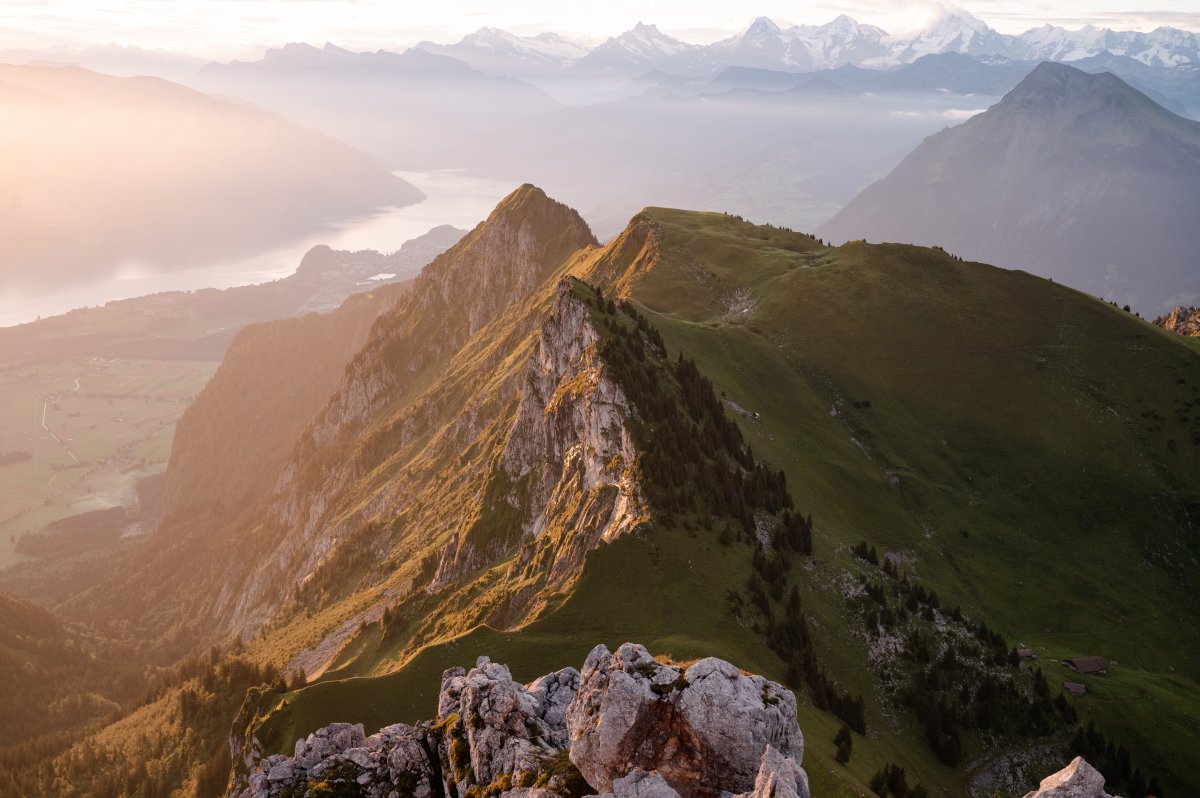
<point x="841" y="41"/>
<point x="404" y="536"/>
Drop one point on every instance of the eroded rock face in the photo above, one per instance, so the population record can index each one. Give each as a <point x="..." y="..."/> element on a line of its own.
<point x="503" y="725"/>
<point x="1181" y="320"/>
<point x="570" y="447"/>
<point x="779" y="776"/>
<point x="640" y="784"/>
<point x="1076" y="780"/>
<point x="394" y="757"/>
<point x="554" y="693"/>
<point x="630" y="726"/>
<point x="703" y="728"/>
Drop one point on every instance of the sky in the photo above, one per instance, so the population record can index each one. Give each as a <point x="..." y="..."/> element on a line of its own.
<point x="235" y="28"/>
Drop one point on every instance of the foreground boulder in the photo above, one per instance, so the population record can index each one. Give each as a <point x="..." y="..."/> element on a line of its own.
<point x="703" y="728"/>
<point x="1076" y="780"/>
<point x="627" y="727"/>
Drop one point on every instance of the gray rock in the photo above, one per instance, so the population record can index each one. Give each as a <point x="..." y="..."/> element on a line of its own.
<point x="281" y="771"/>
<point x="1076" y="780"/>
<point x="779" y="776"/>
<point x="360" y="757"/>
<point x="640" y="784"/>
<point x="504" y="731"/>
<point x="406" y="757"/>
<point x="553" y="694"/>
<point x="704" y="730"/>
<point x="453" y="682"/>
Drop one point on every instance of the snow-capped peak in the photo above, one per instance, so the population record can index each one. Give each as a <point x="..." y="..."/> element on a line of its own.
<point x="761" y="26"/>
<point x="647" y="41"/>
<point x="771" y="44"/>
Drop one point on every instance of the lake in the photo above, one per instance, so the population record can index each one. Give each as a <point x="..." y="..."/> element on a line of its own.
<point x="452" y="197"/>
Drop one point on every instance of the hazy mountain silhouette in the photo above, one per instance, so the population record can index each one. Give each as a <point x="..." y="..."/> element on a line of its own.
<point x="1074" y="176"/>
<point x="103" y="174"/>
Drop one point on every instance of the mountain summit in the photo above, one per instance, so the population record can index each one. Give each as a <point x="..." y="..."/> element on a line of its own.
<point x="1073" y="176"/>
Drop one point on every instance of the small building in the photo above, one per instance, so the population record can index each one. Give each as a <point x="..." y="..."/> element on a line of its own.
<point x="1026" y="653"/>
<point x="1089" y="666"/>
<point x="1074" y="688"/>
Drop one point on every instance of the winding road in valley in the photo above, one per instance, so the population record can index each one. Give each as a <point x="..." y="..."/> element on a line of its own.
<point x="45" y="406"/>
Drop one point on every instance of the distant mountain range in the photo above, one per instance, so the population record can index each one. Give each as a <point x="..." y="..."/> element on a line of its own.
<point x="1073" y="176"/>
<point x="804" y="48"/>
<point x="764" y="43"/>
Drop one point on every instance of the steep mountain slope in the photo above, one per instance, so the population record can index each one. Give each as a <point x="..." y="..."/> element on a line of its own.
<point x="225" y="459"/>
<point x="516" y="465"/>
<point x="982" y="514"/>
<point x="96" y="168"/>
<point x="57" y="678"/>
<point x="283" y="373"/>
<point x="1072" y="176"/>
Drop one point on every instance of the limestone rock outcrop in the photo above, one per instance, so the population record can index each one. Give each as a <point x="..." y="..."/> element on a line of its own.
<point x="1181" y="320"/>
<point x="627" y="727"/>
<point x="502" y="722"/>
<point x="570" y="449"/>
<point x="779" y="776"/>
<point x="1076" y="780"/>
<point x="704" y="728"/>
<point x="640" y="784"/>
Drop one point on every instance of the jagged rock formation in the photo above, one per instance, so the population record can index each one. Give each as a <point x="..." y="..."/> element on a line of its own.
<point x="1076" y="780"/>
<point x="1185" y="321"/>
<point x="629" y="726"/>
<point x="702" y="727"/>
<point x="569" y="448"/>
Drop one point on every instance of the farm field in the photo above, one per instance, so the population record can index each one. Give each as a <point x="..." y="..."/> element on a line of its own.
<point x="92" y="427"/>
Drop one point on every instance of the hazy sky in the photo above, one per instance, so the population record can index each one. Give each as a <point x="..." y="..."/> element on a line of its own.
<point x="225" y="28"/>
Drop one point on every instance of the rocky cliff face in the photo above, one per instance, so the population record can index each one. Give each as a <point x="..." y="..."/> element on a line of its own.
<point x="627" y="727"/>
<point x="569" y="452"/>
<point x="1185" y="321"/>
<point x="439" y="376"/>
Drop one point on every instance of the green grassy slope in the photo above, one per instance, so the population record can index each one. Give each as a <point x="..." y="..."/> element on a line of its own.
<point x="664" y="588"/>
<point x="1035" y="452"/>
